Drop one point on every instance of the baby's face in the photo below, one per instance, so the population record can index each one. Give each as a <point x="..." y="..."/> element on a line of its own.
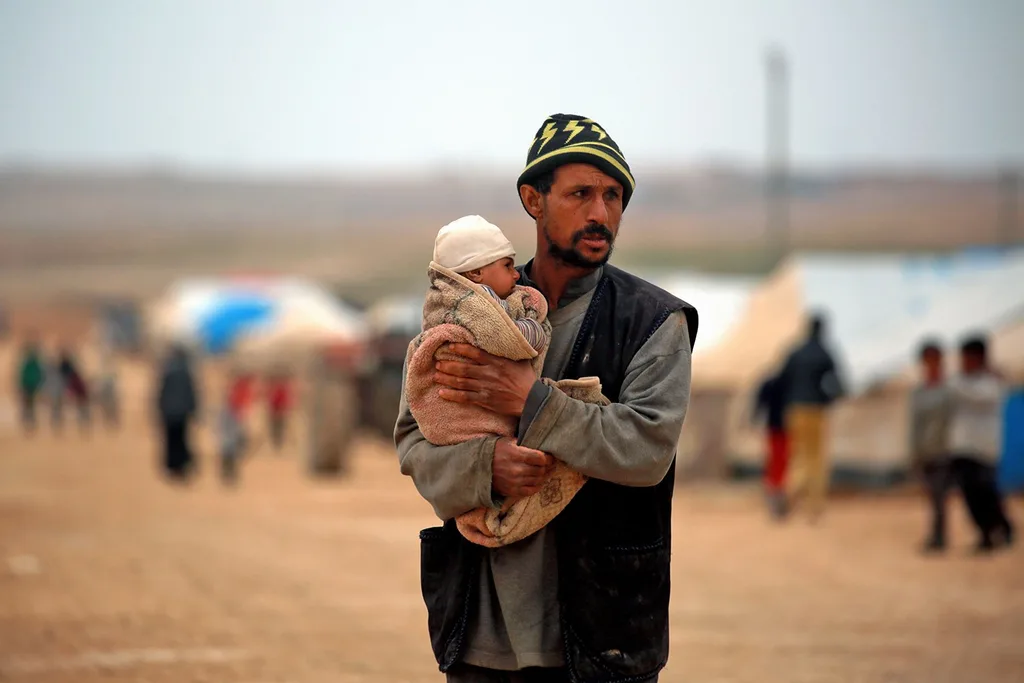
<point x="501" y="276"/>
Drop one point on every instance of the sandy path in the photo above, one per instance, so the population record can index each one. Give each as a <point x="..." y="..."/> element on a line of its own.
<point x="109" y="574"/>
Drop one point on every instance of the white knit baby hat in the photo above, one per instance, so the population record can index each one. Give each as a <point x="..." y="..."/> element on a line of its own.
<point x="470" y="243"/>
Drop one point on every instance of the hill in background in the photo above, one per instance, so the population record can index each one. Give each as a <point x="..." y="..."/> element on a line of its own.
<point x="129" y="234"/>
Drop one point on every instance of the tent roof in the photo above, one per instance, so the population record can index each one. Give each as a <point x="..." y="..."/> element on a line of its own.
<point x="878" y="306"/>
<point x="304" y="312"/>
<point x="720" y="300"/>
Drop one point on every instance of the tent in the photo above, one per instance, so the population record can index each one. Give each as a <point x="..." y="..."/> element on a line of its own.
<point x="879" y="307"/>
<point x="260" y="318"/>
<point x="720" y="300"/>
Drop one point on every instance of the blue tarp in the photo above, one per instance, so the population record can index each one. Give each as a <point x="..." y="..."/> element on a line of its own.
<point x="1011" y="466"/>
<point x="232" y="316"/>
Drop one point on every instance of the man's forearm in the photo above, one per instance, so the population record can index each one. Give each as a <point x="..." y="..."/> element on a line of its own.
<point x="618" y="443"/>
<point x="631" y="442"/>
<point x="453" y="479"/>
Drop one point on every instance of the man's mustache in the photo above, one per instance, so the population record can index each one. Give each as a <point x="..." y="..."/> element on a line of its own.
<point x="595" y="230"/>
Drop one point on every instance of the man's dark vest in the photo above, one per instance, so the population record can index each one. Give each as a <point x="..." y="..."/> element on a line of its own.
<point x="614" y="542"/>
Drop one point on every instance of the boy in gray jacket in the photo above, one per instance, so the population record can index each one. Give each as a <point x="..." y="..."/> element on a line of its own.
<point x="930" y="412"/>
<point x="975" y="441"/>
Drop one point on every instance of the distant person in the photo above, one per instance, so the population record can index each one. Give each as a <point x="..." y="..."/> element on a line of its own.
<point x="106" y="390"/>
<point x="233" y="437"/>
<point x="31" y="379"/>
<point x="812" y="384"/>
<point x="279" y="403"/>
<point x="74" y="385"/>
<point x="770" y="403"/>
<point x="976" y="441"/>
<point x="56" y="392"/>
<point x="177" y="406"/>
<point x="930" y="415"/>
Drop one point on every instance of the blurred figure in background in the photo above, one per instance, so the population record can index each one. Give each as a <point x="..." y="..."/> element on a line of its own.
<point x="976" y="432"/>
<point x="177" y="404"/>
<point x="770" y="403"/>
<point x="812" y="384"/>
<point x="233" y="438"/>
<point x="56" y="390"/>
<point x="106" y="388"/>
<point x="74" y="385"/>
<point x="930" y="412"/>
<point x="31" y="378"/>
<point x="279" y="402"/>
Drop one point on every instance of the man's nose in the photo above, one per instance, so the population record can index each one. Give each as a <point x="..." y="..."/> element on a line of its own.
<point x="598" y="212"/>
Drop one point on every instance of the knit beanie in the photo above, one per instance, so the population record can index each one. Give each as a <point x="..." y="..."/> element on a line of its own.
<point x="571" y="139"/>
<point x="470" y="243"/>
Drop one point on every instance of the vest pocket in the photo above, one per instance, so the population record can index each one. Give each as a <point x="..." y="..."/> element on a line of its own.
<point x="615" y="611"/>
<point x="447" y="580"/>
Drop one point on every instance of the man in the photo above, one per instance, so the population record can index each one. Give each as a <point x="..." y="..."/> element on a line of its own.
<point x="771" y="403"/>
<point x="75" y="385"/>
<point x="177" y="405"/>
<point x="976" y="441"/>
<point x="585" y="598"/>
<point x="930" y="409"/>
<point x="31" y="377"/>
<point x="812" y="384"/>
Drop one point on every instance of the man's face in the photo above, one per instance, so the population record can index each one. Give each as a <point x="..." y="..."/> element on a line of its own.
<point x="970" y="362"/>
<point x="580" y="216"/>
<point x="931" y="362"/>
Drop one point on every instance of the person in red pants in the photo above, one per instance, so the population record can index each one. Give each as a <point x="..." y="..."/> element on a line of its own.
<point x="770" y="404"/>
<point x="279" y="402"/>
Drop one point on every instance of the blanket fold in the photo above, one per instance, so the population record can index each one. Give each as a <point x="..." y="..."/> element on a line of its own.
<point x="457" y="310"/>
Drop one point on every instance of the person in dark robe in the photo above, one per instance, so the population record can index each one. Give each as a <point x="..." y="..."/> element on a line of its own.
<point x="177" y="404"/>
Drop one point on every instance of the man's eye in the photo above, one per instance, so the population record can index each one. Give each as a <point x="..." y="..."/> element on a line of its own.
<point x="581" y="193"/>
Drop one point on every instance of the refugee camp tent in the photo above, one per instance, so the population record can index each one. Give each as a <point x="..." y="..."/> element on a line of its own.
<point x="879" y="307"/>
<point x="259" y="318"/>
<point x="720" y="300"/>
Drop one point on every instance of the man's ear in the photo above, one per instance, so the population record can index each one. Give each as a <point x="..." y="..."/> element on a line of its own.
<point x="532" y="200"/>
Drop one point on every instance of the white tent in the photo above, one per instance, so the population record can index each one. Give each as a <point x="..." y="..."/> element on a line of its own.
<point x="284" y="316"/>
<point x="878" y="307"/>
<point x="720" y="301"/>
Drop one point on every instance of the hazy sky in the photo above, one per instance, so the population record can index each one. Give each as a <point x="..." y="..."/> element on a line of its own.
<point x="290" y="84"/>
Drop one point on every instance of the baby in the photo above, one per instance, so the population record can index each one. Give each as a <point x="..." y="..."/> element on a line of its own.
<point x="474" y="299"/>
<point x="481" y="253"/>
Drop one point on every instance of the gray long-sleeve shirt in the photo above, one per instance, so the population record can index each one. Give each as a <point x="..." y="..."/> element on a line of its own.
<point x="930" y="412"/>
<point x="631" y="442"/>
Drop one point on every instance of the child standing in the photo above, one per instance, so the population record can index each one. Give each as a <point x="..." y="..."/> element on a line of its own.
<point x="233" y="439"/>
<point x="930" y="412"/>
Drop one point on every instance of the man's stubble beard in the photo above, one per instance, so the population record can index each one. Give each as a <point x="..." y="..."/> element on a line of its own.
<point x="571" y="256"/>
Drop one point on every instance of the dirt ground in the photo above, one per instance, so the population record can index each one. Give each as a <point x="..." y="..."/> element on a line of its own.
<point x="107" y="573"/>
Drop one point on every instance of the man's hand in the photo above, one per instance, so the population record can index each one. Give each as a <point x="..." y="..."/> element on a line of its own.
<point x="518" y="472"/>
<point x="496" y="384"/>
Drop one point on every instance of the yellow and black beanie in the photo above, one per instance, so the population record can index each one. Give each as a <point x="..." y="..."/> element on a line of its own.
<point x="568" y="139"/>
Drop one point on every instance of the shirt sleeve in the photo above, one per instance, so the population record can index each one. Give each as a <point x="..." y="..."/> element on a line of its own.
<point x="533" y="332"/>
<point x="453" y="479"/>
<point x="632" y="442"/>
